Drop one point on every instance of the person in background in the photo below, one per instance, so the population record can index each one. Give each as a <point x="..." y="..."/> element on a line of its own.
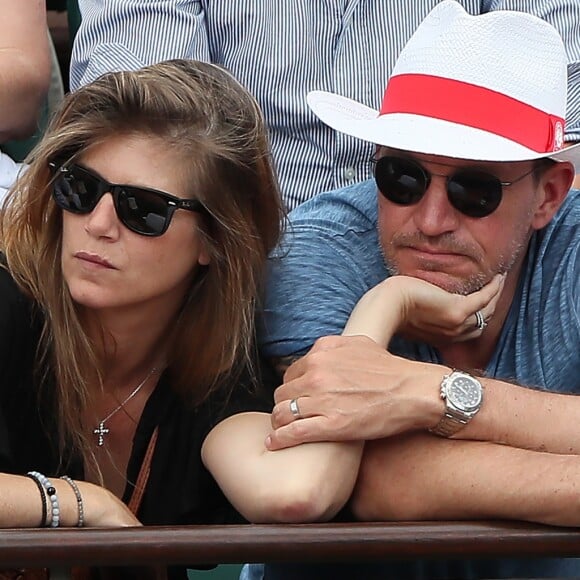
<point x="471" y="183"/>
<point x="24" y="75"/>
<point x="281" y="50"/>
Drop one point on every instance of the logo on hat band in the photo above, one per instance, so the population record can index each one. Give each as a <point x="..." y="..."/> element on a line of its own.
<point x="474" y="106"/>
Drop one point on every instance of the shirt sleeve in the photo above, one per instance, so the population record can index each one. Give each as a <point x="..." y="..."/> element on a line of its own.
<point x="328" y="259"/>
<point x="564" y="16"/>
<point x="107" y="40"/>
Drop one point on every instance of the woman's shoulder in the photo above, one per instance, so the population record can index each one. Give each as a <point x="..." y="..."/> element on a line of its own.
<point x="14" y="302"/>
<point x="8" y="286"/>
<point x="19" y="323"/>
<point x="250" y="387"/>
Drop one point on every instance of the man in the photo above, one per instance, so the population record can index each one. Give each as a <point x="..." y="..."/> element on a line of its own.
<point x="471" y="181"/>
<point x="280" y="50"/>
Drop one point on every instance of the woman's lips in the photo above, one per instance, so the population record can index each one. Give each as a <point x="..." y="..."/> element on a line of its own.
<point x="94" y="259"/>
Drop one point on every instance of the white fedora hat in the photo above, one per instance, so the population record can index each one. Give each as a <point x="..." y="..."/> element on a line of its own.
<point x="490" y="87"/>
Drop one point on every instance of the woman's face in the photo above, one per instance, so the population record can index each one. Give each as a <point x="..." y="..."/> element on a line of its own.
<point x="106" y="265"/>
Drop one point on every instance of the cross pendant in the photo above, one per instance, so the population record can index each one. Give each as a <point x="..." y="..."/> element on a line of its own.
<point x="100" y="431"/>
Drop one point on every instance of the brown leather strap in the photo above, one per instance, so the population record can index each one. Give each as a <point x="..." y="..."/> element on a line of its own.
<point x="154" y="572"/>
<point x="141" y="483"/>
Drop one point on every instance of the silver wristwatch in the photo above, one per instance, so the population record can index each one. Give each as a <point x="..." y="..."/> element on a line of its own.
<point x="463" y="396"/>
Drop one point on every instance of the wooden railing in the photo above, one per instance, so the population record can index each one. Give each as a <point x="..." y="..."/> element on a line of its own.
<point x="280" y="543"/>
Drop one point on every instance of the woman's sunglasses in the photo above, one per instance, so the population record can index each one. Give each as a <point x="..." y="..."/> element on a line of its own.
<point x="473" y="192"/>
<point x="144" y="211"/>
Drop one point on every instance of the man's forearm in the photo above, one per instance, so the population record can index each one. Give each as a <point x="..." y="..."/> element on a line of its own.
<point x="24" y="65"/>
<point x="526" y="418"/>
<point x="23" y="87"/>
<point x="422" y="477"/>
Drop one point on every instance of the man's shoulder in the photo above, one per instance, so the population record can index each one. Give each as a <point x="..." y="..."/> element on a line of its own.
<point x="569" y="213"/>
<point x="540" y="338"/>
<point x="348" y="208"/>
<point x="562" y="234"/>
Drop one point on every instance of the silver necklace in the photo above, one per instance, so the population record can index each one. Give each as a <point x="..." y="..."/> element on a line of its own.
<point x="101" y="430"/>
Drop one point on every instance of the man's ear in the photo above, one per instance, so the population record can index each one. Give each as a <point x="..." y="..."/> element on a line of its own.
<point x="554" y="184"/>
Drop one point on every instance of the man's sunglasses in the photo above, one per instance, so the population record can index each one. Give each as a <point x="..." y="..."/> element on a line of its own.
<point x="144" y="211"/>
<point x="473" y="192"/>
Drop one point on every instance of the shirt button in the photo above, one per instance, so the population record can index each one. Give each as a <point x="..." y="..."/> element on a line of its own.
<point x="349" y="173"/>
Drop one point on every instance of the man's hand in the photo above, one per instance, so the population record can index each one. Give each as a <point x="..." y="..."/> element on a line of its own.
<point x="350" y="388"/>
<point x="353" y="389"/>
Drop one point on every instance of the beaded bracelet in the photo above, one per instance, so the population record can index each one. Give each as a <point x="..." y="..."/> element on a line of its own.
<point x="77" y="491"/>
<point x="42" y="499"/>
<point x="52" y="496"/>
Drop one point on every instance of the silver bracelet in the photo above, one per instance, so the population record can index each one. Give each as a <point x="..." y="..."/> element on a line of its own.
<point x="77" y="491"/>
<point x="52" y="496"/>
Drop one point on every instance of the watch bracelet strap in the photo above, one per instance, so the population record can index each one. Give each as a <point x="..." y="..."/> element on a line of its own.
<point x="449" y="424"/>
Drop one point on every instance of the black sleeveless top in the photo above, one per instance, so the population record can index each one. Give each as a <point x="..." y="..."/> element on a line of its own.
<point x="180" y="490"/>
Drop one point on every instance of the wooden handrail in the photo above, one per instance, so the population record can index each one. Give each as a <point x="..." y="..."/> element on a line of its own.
<point x="281" y="543"/>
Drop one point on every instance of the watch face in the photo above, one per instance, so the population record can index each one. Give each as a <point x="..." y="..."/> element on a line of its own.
<point x="464" y="392"/>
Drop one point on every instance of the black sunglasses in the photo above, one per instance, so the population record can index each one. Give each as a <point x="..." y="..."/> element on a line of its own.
<point x="473" y="192"/>
<point x="144" y="211"/>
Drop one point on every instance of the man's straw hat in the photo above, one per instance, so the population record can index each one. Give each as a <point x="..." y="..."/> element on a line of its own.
<point x="490" y="87"/>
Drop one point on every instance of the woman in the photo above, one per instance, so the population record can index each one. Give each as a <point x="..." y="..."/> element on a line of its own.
<point x="134" y="251"/>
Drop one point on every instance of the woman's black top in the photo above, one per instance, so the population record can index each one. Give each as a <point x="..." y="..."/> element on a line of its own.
<point x="180" y="490"/>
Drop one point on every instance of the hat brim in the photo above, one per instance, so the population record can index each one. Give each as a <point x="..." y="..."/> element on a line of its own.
<point x="422" y="134"/>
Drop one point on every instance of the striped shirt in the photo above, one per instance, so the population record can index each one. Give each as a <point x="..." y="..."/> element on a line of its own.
<point x="282" y="49"/>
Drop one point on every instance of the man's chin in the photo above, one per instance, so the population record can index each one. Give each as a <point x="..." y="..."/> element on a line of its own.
<point x="452" y="282"/>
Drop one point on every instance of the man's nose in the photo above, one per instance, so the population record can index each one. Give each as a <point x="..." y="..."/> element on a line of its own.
<point x="434" y="215"/>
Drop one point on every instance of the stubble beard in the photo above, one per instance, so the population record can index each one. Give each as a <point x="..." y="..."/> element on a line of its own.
<point x="472" y="283"/>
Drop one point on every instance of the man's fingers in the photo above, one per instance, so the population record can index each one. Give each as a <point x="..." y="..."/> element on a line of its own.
<point x="322" y="347"/>
<point x="302" y="386"/>
<point x="290" y="410"/>
<point x="306" y="430"/>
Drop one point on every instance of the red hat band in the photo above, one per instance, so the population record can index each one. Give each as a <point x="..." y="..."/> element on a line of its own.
<point x="474" y="106"/>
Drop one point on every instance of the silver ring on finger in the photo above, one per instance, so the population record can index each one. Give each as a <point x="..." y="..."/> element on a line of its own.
<point x="295" y="409"/>
<point x="480" y="322"/>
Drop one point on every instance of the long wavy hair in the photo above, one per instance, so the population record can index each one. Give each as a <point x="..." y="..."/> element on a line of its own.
<point x="216" y="128"/>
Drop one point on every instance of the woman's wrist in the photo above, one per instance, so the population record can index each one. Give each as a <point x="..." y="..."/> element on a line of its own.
<point x="379" y="313"/>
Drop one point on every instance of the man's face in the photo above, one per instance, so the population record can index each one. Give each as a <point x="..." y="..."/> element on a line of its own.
<point x="434" y="241"/>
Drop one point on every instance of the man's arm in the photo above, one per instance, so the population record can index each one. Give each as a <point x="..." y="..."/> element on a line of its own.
<point x="423" y="477"/>
<point x="24" y="66"/>
<point x="106" y="39"/>
<point x="527" y="418"/>
<point x="350" y="388"/>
